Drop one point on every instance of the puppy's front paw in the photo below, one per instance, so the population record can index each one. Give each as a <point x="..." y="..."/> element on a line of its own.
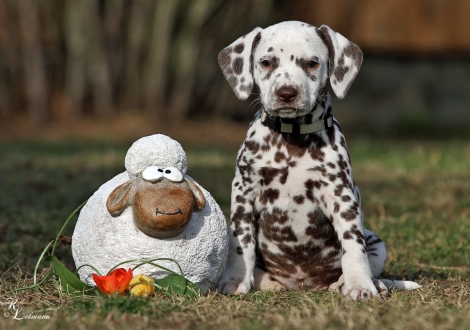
<point x="226" y="286"/>
<point x="360" y="291"/>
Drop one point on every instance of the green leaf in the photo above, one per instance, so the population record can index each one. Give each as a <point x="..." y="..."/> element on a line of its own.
<point x="177" y="284"/>
<point x="70" y="283"/>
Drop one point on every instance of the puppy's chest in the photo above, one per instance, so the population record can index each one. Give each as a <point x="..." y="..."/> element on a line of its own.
<point x="285" y="205"/>
<point x="283" y="176"/>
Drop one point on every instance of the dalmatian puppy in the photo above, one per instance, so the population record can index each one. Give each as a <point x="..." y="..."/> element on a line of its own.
<point x="296" y="218"/>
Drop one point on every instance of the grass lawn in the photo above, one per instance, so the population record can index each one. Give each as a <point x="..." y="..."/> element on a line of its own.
<point x="416" y="196"/>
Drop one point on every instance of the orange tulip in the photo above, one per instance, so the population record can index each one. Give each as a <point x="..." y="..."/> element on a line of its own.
<point x="115" y="282"/>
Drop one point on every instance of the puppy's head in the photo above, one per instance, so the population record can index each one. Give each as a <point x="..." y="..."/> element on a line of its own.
<point x="291" y="63"/>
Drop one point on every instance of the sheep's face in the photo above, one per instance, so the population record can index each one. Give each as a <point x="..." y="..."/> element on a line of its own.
<point x="162" y="200"/>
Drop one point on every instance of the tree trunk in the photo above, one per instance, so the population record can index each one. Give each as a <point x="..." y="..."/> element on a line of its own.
<point x="155" y="74"/>
<point x="33" y="61"/>
<point x="186" y="55"/>
<point x="75" y="42"/>
<point x="98" y="68"/>
<point x="135" y="44"/>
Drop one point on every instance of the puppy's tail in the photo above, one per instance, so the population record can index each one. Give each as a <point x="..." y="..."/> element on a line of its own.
<point x="400" y="285"/>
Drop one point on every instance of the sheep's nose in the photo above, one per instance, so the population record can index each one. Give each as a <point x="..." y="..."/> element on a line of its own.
<point x="287" y="94"/>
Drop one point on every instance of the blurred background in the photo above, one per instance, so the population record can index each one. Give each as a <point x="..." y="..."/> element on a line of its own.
<point x="68" y="64"/>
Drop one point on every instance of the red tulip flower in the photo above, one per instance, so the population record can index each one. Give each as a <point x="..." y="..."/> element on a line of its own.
<point x="115" y="282"/>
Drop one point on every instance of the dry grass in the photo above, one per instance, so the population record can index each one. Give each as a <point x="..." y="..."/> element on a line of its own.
<point x="440" y="304"/>
<point x="415" y="196"/>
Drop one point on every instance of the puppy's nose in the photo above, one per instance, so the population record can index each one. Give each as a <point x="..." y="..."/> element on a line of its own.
<point x="287" y="94"/>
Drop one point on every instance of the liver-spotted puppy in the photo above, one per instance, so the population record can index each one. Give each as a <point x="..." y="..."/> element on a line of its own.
<point x="296" y="218"/>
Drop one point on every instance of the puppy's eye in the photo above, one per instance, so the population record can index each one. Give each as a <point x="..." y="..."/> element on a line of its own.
<point x="173" y="174"/>
<point x="266" y="63"/>
<point x="311" y="64"/>
<point x="152" y="173"/>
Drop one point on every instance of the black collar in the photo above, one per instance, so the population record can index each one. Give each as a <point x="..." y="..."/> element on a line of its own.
<point x="290" y="125"/>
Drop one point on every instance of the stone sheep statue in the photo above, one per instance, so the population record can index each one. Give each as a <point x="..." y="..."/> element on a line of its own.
<point x="152" y="211"/>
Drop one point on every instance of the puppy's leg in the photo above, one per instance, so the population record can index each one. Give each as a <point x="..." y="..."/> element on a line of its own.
<point x="238" y="274"/>
<point x="376" y="252"/>
<point x="340" y="201"/>
<point x="377" y="255"/>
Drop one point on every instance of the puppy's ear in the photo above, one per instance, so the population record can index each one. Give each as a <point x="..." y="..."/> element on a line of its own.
<point x="345" y="60"/>
<point x="198" y="195"/>
<point x="236" y="63"/>
<point x="120" y="198"/>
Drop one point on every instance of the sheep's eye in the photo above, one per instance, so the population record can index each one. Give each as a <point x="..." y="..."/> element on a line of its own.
<point x="173" y="174"/>
<point x="266" y="63"/>
<point x="152" y="173"/>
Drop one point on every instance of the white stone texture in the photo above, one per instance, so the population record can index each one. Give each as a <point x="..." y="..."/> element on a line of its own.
<point x="104" y="241"/>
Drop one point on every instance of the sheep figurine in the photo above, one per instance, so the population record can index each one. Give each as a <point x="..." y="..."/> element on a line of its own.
<point x="153" y="210"/>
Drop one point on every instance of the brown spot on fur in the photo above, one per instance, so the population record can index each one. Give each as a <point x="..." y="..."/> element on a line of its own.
<point x="237" y="65"/>
<point x="265" y="148"/>
<point x="292" y="163"/>
<point x="336" y="209"/>
<point x="233" y="81"/>
<point x="268" y="174"/>
<point x="347" y="235"/>
<point x="240" y="216"/>
<point x="256" y="41"/>
<point x="239" y="48"/>
<point x="351" y="213"/>
<point x="353" y="51"/>
<point x="269" y="195"/>
<point x="279" y="156"/>
<point x="253" y="146"/>
<point x="299" y="199"/>
<point x="275" y="216"/>
<point x="276" y="234"/>
<point x="249" y="190"/>
<point x="285" y="173"/>
<point x="309" y="184"/>
<point x="317" y="154"/>
<point x="224" y="59"/>
<point x="246" y="240"/>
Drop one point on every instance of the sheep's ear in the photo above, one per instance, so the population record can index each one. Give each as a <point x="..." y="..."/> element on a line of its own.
<point x="198" y="195"/>
<point x="119" y="199"/>
<point x="236" y="60"/>
<point x="345" y="60"/>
